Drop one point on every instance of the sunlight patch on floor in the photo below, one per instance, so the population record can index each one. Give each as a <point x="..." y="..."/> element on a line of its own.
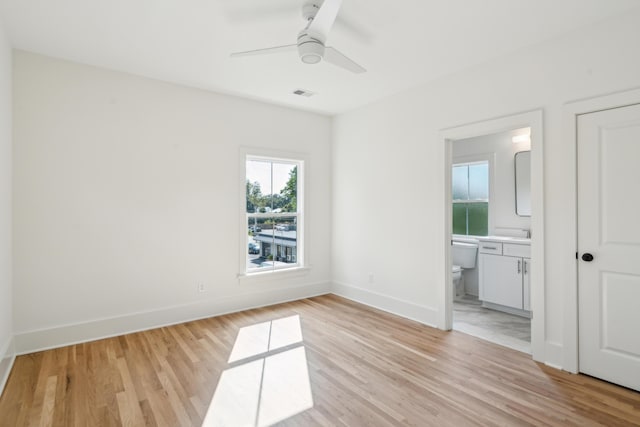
<point x="263" y="391"/>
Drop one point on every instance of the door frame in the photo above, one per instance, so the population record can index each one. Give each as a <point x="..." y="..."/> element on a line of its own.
<point x="571" y="112"/>
<point x="534" y="120"/>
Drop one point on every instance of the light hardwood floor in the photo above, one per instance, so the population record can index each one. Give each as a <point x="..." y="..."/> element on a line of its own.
<point x="348" y="364"/>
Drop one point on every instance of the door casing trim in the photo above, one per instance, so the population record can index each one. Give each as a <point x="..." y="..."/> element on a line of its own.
<point x="534" y="120"/>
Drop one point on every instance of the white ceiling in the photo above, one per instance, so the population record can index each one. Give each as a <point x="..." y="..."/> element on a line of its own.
<point x="402" y="43"/>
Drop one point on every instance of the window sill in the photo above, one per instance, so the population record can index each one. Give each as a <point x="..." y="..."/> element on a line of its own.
<point x="273" y="274"/>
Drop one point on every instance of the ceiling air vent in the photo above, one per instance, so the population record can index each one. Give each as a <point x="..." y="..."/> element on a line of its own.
<point x="303" y="92"/>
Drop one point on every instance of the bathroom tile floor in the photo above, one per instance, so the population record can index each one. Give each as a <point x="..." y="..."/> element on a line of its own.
<point x="495" y="326"/>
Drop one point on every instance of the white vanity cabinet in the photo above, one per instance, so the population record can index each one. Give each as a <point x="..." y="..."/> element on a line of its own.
<point x="526" y="283"/>
<point x="504" y="271"/>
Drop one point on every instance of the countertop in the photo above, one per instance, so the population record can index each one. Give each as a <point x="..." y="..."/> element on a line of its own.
<point x="505" y="239"/>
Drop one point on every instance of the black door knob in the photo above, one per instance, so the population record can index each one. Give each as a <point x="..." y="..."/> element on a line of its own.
<point x="587" y="257"/>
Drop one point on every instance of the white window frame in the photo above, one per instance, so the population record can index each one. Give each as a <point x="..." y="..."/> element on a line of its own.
<point x="474" y="159"/>
<point x="276" y="156"/>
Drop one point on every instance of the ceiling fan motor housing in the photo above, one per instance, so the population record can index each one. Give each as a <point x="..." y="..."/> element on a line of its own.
<point x="310" y="49"/>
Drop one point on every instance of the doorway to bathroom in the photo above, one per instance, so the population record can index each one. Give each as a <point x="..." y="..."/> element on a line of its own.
<point x="493" y="232"/>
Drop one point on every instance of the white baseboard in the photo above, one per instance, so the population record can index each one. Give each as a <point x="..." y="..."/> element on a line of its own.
<point x="553" y="355"/>
<point x="60" y="336"/>
<point x="7" y="357"/>
<point x="407" y="309"/>
<point x="427" y="315"/>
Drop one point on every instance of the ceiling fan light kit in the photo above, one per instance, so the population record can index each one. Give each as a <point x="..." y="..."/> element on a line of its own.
<point x="311" y="50"/>
<point x="320" y="16"/>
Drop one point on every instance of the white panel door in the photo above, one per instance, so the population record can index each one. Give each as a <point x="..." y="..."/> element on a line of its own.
<point x="501" y="280"/>
<point x="609" y="245"/>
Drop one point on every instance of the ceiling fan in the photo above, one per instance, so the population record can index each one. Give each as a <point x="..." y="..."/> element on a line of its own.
<point x="320" y="16"/>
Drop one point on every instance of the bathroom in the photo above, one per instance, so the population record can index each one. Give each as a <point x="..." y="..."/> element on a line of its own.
<point x="491" y="257"/>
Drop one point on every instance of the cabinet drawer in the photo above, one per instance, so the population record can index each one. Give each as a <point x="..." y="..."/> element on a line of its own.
<point x="490" y="248"/>
<point x="510" y="249"/>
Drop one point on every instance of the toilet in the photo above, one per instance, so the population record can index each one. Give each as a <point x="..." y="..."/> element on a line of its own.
<point x="463" y="256"/>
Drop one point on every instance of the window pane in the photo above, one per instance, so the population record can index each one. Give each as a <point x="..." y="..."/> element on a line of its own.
<point x="273" y="243"/>
<point x="285" y="187"/>
<point x="259" y="240"/>
<point x="459" y="218"/>
<point x="258" y="186"/>
<point x="460" y="182"/>
<point x="479" y="181"/>
<point x="478" y="219"/>
<point x="285" y="236"/>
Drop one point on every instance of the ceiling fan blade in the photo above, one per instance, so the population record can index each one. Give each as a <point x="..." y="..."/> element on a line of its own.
<point x="266" y="51"/>
<point x="324" y="19"/>
<point x="334" y="57"/>
<point x="288" y="13"/>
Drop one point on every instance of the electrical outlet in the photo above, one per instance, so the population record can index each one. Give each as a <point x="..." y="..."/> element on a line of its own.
<point x="370" y="277"/>
<point x="200" y="287"/>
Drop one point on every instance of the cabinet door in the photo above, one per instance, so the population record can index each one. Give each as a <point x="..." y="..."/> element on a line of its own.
<point x="501" y="280"/>
<point x="526" y="283"/>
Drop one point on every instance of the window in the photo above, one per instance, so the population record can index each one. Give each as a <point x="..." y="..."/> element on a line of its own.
<point x="273" y="214"/>
<point x="471" y="198"/>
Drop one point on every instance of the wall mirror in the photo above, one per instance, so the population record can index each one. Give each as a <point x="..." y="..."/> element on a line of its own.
<point x="523" y="183"/>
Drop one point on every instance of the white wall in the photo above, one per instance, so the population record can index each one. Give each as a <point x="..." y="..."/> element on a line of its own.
<point x="126" y="198"/>
<point x="6" y="307"/>
<point x="389" y="167"/>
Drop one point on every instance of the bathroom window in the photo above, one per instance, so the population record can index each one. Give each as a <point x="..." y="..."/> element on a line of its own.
<point x="470" y="192"/>
<point x="273" y="237"/>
